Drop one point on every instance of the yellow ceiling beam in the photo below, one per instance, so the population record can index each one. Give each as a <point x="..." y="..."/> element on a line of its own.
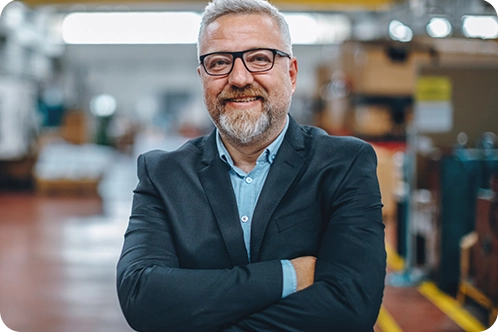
<point x="337" y="4"/>
<point x="282" y="4"/>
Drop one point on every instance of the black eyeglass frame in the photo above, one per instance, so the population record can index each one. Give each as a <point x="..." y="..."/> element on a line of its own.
<point x="240" y="54"/>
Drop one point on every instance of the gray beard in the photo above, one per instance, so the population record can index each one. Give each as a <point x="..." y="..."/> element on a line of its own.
<point x="242" y="127"/>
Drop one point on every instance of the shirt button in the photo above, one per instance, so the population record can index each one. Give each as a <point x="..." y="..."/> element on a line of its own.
<point x="244" y="218"/>
<point x="249" y="180"/>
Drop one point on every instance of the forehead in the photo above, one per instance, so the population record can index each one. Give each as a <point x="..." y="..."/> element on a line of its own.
<point x="238" y="32"/>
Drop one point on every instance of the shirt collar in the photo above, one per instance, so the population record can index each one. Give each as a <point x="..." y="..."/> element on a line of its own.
<point x="269" y="153"/>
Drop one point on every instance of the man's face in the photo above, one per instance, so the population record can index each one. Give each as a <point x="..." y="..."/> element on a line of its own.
<point x="247" y="107"/>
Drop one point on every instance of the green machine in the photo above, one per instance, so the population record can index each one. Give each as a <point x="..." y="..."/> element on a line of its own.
<point x="462" y="175"/>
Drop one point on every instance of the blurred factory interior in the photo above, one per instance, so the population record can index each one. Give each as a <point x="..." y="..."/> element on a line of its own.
<point x="86" y="86"/>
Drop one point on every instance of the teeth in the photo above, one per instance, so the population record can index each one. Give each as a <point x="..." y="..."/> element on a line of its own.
<point x="243" y="100"/>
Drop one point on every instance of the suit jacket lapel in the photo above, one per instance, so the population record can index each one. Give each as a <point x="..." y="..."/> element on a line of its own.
<point x="216" y="183"/>
<point x="285" y="168"/>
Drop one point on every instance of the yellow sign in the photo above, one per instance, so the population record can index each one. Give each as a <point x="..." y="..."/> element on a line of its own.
<point x="433" y="88"/>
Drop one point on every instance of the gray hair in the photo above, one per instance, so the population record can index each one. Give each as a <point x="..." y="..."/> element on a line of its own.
<point x="217" y="8"/>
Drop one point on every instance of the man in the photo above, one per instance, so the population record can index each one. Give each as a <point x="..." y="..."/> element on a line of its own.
<point x="264" y="225"/>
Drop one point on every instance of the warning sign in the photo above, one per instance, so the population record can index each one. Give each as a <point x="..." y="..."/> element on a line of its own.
<point x="433" y="88"/>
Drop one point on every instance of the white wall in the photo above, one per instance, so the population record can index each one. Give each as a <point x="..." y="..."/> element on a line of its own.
<point x="136" y="74"/>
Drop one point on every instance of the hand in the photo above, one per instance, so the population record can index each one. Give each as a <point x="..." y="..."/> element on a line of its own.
<point x="305" y="271"/>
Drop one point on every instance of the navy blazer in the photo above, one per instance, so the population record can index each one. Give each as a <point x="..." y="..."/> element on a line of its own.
<point x="184" y="266"/>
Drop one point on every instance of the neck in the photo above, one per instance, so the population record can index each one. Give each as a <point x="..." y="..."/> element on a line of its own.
<point x="244" y="156"/>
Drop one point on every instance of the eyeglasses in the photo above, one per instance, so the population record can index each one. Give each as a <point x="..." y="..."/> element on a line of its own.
<point x="256" y="60"/>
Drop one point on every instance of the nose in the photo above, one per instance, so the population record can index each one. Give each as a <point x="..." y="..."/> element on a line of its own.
<point x="240" y="76"/>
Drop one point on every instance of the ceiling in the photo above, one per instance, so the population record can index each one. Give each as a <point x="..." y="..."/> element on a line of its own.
<point x="369" y="18"/>
<point x="283" y="4"/>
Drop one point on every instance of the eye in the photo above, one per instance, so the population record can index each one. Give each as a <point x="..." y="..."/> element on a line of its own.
<point x="217" y="62"/>
<point x="259" y="57"/>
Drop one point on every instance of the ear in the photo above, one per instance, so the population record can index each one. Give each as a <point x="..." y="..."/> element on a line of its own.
<point x="199" y="71"/>
<point x="293" y="69"/>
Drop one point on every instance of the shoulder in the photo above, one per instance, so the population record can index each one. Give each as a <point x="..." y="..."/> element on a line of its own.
<point x="321" y="142"/>
<point x="338" y="156"/>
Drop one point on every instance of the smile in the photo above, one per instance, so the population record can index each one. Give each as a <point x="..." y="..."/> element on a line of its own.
<point x="242" y="100"/>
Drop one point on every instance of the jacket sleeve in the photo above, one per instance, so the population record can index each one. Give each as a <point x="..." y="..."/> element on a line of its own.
<point x="350" y="267"/>
<point x="155" y="294"/>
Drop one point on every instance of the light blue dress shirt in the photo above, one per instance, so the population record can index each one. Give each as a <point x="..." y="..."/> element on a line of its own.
<point x="247" y="187"/>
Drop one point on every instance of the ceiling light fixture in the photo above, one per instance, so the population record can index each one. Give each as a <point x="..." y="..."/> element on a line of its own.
<point x="182" y="28"/>
<point x="439" y="27"/>
<point x="485" y="27"/>
<point x="400" y="32"/>
<point x="310" y="28"/>
<point x="131" y="28"/>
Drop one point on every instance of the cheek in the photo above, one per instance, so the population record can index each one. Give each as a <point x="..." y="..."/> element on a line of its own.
<point x="210" y="92"/>
<point x="281" y="89"/>
<point x="276" y="83"/>
<point x="211" y="88"/>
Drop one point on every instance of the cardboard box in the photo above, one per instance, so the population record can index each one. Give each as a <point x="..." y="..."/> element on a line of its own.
<point x="67" y="187"/>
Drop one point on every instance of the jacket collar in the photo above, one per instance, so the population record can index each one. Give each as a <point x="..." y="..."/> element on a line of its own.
<point x="294" y="137"/>
<point x="216" y="183"/>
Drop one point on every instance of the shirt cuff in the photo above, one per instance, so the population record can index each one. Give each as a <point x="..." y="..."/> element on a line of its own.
<point x="289" y="278"/>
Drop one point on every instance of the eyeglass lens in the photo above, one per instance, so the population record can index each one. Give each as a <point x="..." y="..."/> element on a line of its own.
<point x="254" y="60"/>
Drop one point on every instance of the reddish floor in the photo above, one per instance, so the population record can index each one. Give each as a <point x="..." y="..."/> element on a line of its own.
<point x="57" y="260"/>
<point x="410" y="309"/>
<point x="57" y="266"/>
<point x="413" y="312"/>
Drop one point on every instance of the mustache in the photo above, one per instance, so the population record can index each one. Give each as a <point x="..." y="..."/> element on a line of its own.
<point x="249" y="91"/>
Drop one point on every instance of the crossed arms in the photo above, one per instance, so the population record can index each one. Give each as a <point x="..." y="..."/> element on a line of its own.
<point x="341" y="290"/>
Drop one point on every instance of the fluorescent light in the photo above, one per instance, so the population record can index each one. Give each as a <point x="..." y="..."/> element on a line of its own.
<point x="131" y="28"/>
<point x="438" y="27"/>
<point x="485" y="27"/>
<point x="182" y="28"/>
<point x="399" y="31"/>
<point x="303" y="28"/>
<point x="333" y="28"/>
<point x="306" y="29"/>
